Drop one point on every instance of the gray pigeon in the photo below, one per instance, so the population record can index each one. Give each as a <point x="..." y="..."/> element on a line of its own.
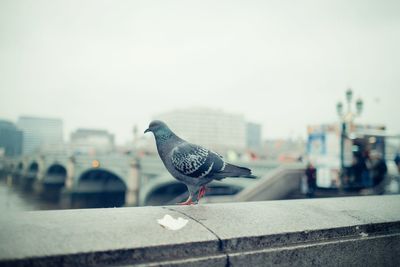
<point x="193" y="165"/>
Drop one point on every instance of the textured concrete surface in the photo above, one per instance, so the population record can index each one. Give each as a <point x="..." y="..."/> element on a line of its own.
<point x="237" y="222"/>
<point x="355" y="231"/>
<point x="305" y="232"/>
<point x="373" y="251"/>
<point x="86" y="237"/>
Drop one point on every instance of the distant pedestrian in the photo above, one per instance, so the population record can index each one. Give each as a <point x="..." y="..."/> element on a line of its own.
<point x="356" y="170"/>
<point x="397" y="161"/>
<point x="397" y="177"/>
<point x="311" y="174"/>
<point x="365" y="175"/>
<point x="379" y="168"/>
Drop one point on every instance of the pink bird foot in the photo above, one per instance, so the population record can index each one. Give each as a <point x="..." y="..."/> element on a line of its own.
<point x="187" y="202"/>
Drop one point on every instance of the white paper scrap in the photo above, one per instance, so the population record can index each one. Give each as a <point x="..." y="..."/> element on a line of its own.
<point x="363" y="234"/>
<point x="172" y="224"/>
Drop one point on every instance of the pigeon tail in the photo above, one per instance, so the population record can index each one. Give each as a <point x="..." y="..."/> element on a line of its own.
<point x="231" y="170"/>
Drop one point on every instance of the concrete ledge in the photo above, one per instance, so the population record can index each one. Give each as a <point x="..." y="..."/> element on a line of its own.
<point x="357" y="231"/>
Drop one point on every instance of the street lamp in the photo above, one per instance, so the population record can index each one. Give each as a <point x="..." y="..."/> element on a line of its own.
<point x="346" y="120"/>
<point x="359" y="106"/>
<point x="339" y="108"/>
<point x="349" y="95"/>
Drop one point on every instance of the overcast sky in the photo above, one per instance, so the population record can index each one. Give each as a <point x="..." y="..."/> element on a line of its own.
<point x="284" y="64"/>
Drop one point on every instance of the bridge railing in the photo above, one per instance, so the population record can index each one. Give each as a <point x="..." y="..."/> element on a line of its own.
<point x="275" y="184"/>
<point x="352" y="231"/>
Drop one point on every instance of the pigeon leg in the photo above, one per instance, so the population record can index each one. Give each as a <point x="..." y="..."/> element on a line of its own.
<point x="187" y="202"/>
<point x="202" y="192"/>
<point x="190" y="201"/>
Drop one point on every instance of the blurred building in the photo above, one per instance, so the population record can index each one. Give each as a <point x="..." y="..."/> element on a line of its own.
<point x="92" y="141"/>
<point x="208" y="127"/>
<point x="40" y="134"/>
<point x="10" y="139"/>
<point x="253" y="136"/>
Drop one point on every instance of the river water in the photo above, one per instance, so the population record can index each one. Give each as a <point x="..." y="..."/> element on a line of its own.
<point x="14" y="199"/>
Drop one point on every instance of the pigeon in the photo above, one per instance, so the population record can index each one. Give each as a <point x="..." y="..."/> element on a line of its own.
<point x="191" y="164"/>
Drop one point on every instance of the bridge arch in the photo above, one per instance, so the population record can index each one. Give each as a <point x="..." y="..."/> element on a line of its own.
<point x="53" y="182"/>
<point x="165" y="193"/>
<point x="34" y="166"/>
<point x="33" y="170"/>
<point x="173" y="191"/>
<point x="17" y="172"/>
<point x="56" y="174"/>
<point x="99" y="188"/>
<point x="20" y="166"/>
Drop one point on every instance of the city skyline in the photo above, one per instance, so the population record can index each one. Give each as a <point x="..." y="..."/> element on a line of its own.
<point x="108" y="65"/>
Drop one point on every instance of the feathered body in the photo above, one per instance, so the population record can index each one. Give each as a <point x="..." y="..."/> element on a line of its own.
<point x="191" y="164"/>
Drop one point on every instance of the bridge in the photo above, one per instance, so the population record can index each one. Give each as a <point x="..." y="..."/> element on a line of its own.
<point x="111" y="180"/>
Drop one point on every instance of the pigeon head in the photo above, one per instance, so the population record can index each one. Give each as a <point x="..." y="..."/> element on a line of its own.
<point x="159" y="129"/>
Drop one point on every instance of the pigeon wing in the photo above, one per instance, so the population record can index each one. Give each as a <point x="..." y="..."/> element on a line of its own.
<point x="196" y="161"/>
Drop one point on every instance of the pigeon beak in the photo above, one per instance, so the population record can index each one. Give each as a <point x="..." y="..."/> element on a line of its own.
<point x="147" y="130"/>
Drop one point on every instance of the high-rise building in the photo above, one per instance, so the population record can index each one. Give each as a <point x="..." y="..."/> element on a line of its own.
<point x="10" y="139"/>
<point x="40" y="133"/>
<point x="253" y="136"/>
<point x="91" y="141"/>
<point x="208" y="127"/>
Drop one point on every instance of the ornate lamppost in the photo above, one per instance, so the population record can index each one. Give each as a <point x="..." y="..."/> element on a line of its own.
<point x="347" y="119"/>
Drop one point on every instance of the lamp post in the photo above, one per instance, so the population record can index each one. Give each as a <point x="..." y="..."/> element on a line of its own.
<point x="346" y="119"/>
